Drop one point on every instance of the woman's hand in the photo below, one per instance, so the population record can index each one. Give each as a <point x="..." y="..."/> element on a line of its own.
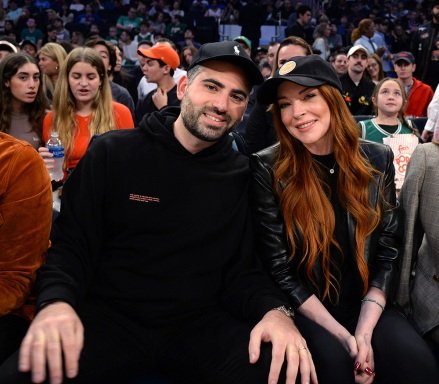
<point x="47" y="157"/>
<point x="364" y="362"/>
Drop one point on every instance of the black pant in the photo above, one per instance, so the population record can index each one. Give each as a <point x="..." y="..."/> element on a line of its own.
<point x="401" y="355"/>
<point x="212" y="348"/>
<point x="12" y="330"/>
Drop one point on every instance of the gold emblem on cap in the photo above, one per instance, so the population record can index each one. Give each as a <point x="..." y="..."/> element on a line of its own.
<point x="287" y="67"/>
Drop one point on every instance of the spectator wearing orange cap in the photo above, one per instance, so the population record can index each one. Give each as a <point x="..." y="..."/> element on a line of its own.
<point x="419" y="94"/>
<point x="161" y="62"/>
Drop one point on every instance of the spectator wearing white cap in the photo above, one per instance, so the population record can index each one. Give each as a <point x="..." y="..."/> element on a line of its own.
<point x="356" y="88"/>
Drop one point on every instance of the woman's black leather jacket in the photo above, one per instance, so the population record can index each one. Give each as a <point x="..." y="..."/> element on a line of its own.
<point x="381" y="248"/>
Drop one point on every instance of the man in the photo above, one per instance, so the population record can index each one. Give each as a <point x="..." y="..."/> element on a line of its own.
<point x="423" y="45"/>
<point x="143" y="86"/>
<point x="62" y="34"/>
<point x="129" y="22"/>
<point x="6" y="48"/>
<point x="26" y="216"/>
<point x="419" y="94"/>
<point x="28" y="47"/>
<point x="245" y="43"/>
<point x="159" y="65"/>
<point x="300" y="27"/>
<point x="108" y="54"/>
<point x="32" y="33"/>
<point x="273" y="46"/>
<point x="379" y="38"/>
<point x="340" y="62"/>
<point x="151" y="253"/>
<point x="357" y="89"/>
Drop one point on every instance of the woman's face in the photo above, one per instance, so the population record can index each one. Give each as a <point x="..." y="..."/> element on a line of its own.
<point x="84" y="82"/>
<point x="289" y="51"/>
<point x="47" y="65"/>
<point x="389" y="100"/>
<point x="25" y="83"/>
<point x="373" y="68"/>
<point x="305" y="114"/>
<point x="188" y="56"/>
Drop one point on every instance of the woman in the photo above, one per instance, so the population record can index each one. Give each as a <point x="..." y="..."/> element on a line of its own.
<point x="186" y="56"/>
<point x="321" y="40"/>
<point x="375" y="68"/>
<point x="82" y="106"/>
<point x="51" y="58"/>
<point x="259" y="132"/>
<point x="325" y="215"/>
<point x="418" y="291"/>
<point x="389" y="100"/>
<point x="22" y="102"/>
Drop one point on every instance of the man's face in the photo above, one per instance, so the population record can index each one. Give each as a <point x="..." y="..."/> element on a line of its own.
<point x="271" y="55"/>
<point x="404" y="70"/>
<point x="357" y="62"/>
<point x="104" y="54"/>
<point x="214" y="102"/>
<point x="435" y="13"/>
<point x="340" y="64"/>
<point x="305" y="18"/>
<point x="152" y="70"/>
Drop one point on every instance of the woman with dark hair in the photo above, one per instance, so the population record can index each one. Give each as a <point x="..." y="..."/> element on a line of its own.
<point x="22" y="100"/>
<point x="186" y="56"/>
<point x="325" y="212"/>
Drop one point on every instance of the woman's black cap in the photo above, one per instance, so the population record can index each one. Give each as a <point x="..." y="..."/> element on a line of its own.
<point x="308" y="71"/>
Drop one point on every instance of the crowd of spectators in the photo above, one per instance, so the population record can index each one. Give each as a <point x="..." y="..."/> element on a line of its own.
<point x="69" y="21"/>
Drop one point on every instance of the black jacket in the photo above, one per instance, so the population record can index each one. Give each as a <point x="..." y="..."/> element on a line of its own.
<point x="381" y="250"/>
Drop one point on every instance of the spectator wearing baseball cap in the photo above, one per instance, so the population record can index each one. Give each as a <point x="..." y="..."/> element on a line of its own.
<point x="29" y="47"/>
<point x="419" y="94"/>
<point x="6" y="48"/>
<point x="245" y="43"/>
<point x="356" y="88"/>
<point x="159" y="65"/>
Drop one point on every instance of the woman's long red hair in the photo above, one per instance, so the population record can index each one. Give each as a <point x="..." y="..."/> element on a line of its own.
<point x="307" y="212"/>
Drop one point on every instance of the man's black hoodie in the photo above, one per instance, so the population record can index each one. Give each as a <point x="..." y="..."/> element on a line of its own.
<point x="157" y="233"/>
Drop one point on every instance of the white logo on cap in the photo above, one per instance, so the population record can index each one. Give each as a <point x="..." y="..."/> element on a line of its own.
<point x="236" y="50"/>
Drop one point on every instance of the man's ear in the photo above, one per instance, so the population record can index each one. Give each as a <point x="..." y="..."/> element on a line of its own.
<point x="181" y="87"/>
<point x="166" y="69"/>
<point x="414" y="67"/>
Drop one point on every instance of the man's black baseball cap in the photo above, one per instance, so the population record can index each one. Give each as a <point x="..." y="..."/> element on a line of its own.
<point x="309" y="71"/>
<point x="231" y="52"/>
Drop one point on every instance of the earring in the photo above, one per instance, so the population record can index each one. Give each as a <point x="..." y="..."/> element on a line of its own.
<point x="56" y="67"/>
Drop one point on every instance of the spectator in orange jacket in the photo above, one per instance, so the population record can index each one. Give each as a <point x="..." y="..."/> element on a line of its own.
<point x="419" y="93"/>
<point x="25" y="218"/>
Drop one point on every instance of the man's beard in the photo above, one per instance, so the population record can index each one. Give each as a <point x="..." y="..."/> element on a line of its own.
<point x="191" y="115"/>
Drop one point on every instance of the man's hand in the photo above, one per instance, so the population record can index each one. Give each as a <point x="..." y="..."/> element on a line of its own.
<point x="287" y="342"/>
<point x="160" y="98"/>
<point x="55" y="332"/>
<point x="426" y="135"/>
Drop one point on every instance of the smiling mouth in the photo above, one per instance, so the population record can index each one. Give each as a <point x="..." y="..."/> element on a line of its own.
<point x="213" y="118"/>
<point x="305" y="125"/>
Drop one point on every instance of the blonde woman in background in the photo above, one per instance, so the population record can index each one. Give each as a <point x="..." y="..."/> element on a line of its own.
<point x="82" y="106"/>
<point x="51" y="57"/>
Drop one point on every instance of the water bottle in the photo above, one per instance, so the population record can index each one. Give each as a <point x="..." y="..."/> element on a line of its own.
<point x="55" y="147"/>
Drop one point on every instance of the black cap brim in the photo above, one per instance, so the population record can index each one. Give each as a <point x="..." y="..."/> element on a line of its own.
<point x="267" y="92"/>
